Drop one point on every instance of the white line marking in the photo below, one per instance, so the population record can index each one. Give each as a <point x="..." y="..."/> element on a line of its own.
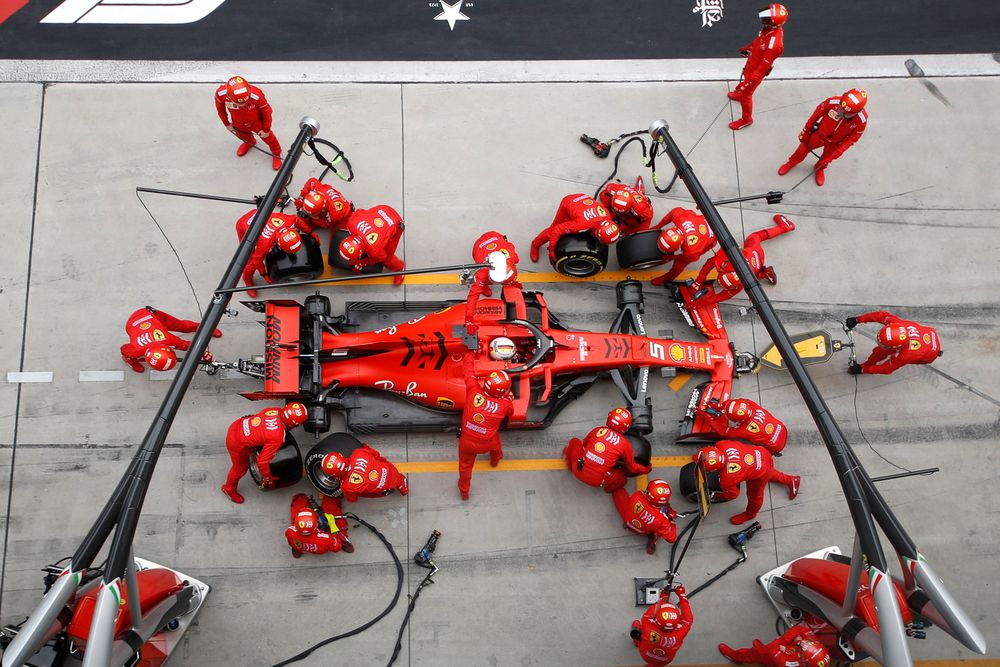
<point x="102" y="376"/>
<point x="155" y="376"/>
<point x="232" y="374"/>
<point x="35" y="376"/>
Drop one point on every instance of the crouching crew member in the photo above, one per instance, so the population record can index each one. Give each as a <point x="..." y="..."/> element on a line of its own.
<point x="321" y="205"/>
<point x="150" y="339"/>
<point x="630" y="208"/>
<point x="796" y="648"/>
<point x="487" y="405"/>
<point x="737" y="463"/>
<point x="648" y="512"/>
<point x="264" y="430"/>
<point x="605" y="458"/>
<point x="374" y="234"/>
<point x="316" y="529"/>
<point x="685" y="241"/>
<point x="366" y="474"/>
<point x="281" y="229"/>
<point x="577" y="213"/>
<point x="900" y="342"/>
<point x="753" y="423"/>
<point x="660" y="632"/>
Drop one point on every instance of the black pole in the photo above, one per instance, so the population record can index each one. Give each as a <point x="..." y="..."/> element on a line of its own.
<point x="840" y="452"/>
<point x="141" y="470"/>
<point x="195" y="195"/>
<point x="347" y="279"/>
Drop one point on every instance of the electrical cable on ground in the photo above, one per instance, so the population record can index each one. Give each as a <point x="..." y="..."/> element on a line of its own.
<point x="174" y="250"/>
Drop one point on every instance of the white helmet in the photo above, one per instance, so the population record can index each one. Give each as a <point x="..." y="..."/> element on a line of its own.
<point x="502" y="349"/>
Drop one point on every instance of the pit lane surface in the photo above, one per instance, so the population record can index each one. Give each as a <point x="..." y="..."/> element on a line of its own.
<point x="535" y="568"/>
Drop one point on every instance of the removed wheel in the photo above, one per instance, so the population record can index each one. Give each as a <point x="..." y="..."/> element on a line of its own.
<point x="339" y="262"/>
<point x="642" y="448"/>
<point x="286" y="466"/>
<point x="343" y="443"/>
<point x="305" y="264"/>
<point x="688" y="483"/>
<point x="580" y="255"/>
<point x="640" y="250"/>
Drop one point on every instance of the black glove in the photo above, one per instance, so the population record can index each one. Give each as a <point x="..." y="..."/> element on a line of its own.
<point x="744" y="52"/>
<point x="635" y="633"/>
<point x="851" y="322"/>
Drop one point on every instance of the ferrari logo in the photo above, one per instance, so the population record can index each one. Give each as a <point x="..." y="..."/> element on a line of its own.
<point x="637" y="508"/>
<point x="478" y="401"/>
<point x="692" y="239"/>
<point x="159" y="335"/>
<point x="914" y="344"/>
<point x="271" y="413"/>
<point x="654" y="636"/>
<point x="601" y="210"/>
<point x="753" y="427"/>
<point x="277" y="222"/>
<point x="337" y="205"/>
<point x="355" y="478"/>
<point x="372" y="238"/>
<point x="733" y="468"/>
<point x="601" y="432"/>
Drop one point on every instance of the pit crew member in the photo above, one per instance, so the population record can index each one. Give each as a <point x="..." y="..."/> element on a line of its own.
<point x="485" y="245"/>
<point x="753" y="423"/>
<point x="660" y="632"/>
<point x="630" y="208"/>
<point x="727" y="278"/>
<point x="577" y="213"/>
<point x="685" y="241"/>
<point x="797" y="647"/>
<point x="605" y="458"/>
<point x="264" y="430"/>
<point x="244" y="111"/>
<point x="316" y="528"/>
<point x="281" y="229"/>
<point x="374" y="234"/>
<point x="150" y="339"/>
<point x="321" y="205"/>
<point x="835" y="125"/>
<point x="487" y="405"/>
<point x="899" y="342"/>
<point x="761" y="54"/>
<point x="648" y="512"/>
<point x="737" y="463"/>
<point x="366" y="474"/>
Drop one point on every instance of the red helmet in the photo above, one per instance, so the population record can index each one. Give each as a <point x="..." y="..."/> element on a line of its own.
<point x="352" y="248"/>
<point x="314" y="204"/>
<point x="334" y="464"/>
<point x="294" y="414"/>
<point x="160" y="357"/>
<point x="289" y="241"/>
<point x="729" y="279"/>
<point x="667" y="615"/>
<point x="853" y="101"/>
<point x="497" y="384"/>
<point x="773" y="14"/>
<point x="658" y="492"/>
<point x="607" y="232"/>
<point x="739" y="409"/>
<point x="238" y="89"/>
<point x="892" y="335"/>
<point x="305" y="522"/>
<point x="712" y="459"/>
<point x="670" y="240"/>
<point x="621" y="201"/>
<point x="619" y="420"/>
<point x="814" y="654"/>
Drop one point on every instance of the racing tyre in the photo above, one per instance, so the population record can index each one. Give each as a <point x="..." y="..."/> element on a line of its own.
<point x="345" y="443"/>
<point x="642" y="448"/>
<point x="339" y="262"/>
<point x="580" y="255"/>
<point x="305" y="264"/>
<point x="688" y="483"/>
<point x="286" y="466"/>
<point x="640" y="250"/>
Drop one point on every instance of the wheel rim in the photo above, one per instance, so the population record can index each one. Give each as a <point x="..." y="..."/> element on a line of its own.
<point x="580" y="268"/>
<point x="323" y="479"/>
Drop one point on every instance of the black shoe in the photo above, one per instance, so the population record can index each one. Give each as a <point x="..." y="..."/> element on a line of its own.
<point x="854" y="369"/>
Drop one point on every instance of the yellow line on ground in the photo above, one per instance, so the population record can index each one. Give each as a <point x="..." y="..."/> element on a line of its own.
<point x="679" y="381"/>
<point x="510" y="465"/>
<point x="526" y="278"/>
<point x="641" y="482"/>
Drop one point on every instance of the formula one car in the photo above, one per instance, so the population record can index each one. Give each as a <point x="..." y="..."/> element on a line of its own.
<point x="397" y="366"/>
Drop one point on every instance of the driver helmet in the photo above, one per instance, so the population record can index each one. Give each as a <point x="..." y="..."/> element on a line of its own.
<point x="502" y="270"/>
<point x="773" y="15"/>
<point x="334" y="464"/>
<point x="290" y="241"/>
<point x="314" y="204"/>
<point x="305" y="522"/>
<point x="294" y="414"/>
<point x="670" y="240"/>
<point x="853" y="101"/>
<point x="502" y="349"/>
<point x="607" y="232"/>
<point x="238" y="90"/>
<point x="712" y="459"/>
<point x="667" y="615"/>
<point x="497" y="384"/>
<point x="739" y="409"/>
<point x="813" y="653"/>
<point x="160" y="357"/>
<point x="658" y="492"/>
<point x="619" y="420"/>
<point x="352" y="248"/>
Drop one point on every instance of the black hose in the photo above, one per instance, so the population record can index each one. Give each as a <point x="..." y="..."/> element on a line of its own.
<point x="406" y="619"/>
<point x="617" y="157"/>
<point x="385" y="612"/>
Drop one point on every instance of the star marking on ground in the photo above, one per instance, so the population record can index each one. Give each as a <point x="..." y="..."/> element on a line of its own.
<point x="451" y="13"/>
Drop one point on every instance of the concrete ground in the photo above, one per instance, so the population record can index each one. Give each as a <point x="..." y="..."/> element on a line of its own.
<point x="535" y="568"/>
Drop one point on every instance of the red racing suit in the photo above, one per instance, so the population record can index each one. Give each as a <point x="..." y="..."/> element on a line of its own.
<point x="900" y="342"/>
<point x="319" y="541"/>
<point x="276" y="224"/>
<point x="252" y="117"/>
<point x="488" y="243"/>
<point x="698" y="239"/>
<point x="638" y="209"/>
<point x="380" y="228"/>
<point x="576" y="213"/>
<point x="759" y="427"/>
<point x="147" y="326"/>
<point x="827" y="128"/>
<point x="482" y="417"/>
<point x="641" y="516"/>
<point x="264" y="430"/>
<point x="780" y="652"/>
<point x="656" y="645"/>
<point x="727" y="279"/>
<point x="371" y="475"/>
<point x="764" y="50"/>
<point x="753" y="465"/>
<point x="336" y="212"/>
<point x="604" y="458"/>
